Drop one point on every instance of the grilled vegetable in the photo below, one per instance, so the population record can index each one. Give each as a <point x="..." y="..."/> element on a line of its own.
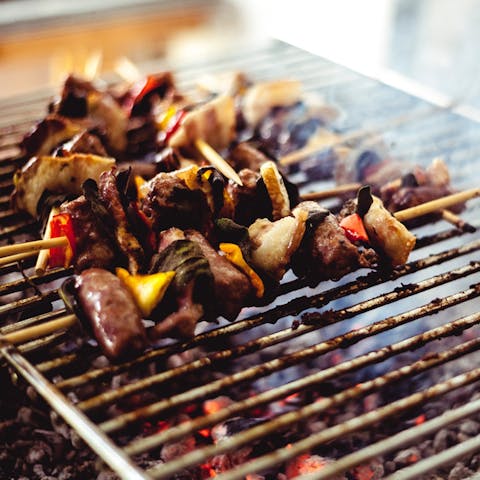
<point x="233" y="253"/>
<point x="147" y="290"/>
<point x="354" y="228"/>
<point x="55" y="174"/>
<point x="62" y="225"/>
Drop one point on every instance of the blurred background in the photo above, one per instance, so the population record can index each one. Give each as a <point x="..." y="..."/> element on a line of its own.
<point x="429" y="44"/>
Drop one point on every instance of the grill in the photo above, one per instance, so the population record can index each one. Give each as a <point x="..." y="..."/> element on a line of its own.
<point x="407" y="338"/>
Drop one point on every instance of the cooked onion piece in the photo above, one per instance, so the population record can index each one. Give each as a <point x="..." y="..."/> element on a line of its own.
<point x="262" y="97"/>
<point x="214" y="122"/>
<point x="276" y="190"/>
<point x="56" y="174"/>
<point x="386" y="232"/>
<point x="274" y="243"/>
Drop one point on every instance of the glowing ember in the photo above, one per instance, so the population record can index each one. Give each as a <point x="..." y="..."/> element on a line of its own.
<point x="363" y="472"/>
<point x="420" y="419"/>
<point x="216" y="404"/>
<point x="307" y="463"/>
<point x="205" y="432"/>
<point x="207" y="471"/>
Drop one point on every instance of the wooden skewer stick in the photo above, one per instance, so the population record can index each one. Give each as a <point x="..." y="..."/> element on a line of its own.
<point x="447" y="215"/>
<point x="37" y="331"/>
<point x="435" y="205"/>
<point x="33" y="246"/>
<point x="217" y="160"/>
<point x="456" y="221"/>
<point x="16" y="258"/>
<point x="332" y="192"/>
<point x="44" y="255"/>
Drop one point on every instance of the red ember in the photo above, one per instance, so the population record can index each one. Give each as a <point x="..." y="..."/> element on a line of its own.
<point x="216" y="404"/>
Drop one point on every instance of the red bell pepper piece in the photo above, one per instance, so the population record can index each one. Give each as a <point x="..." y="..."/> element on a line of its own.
<point x="175" y="125"/>
<point x="141" y="89"/>
<point x="61" y="225"/>
<point x="354" y="228"/>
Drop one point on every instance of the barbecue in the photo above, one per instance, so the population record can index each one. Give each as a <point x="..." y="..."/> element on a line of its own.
<point x="286" y="425"/>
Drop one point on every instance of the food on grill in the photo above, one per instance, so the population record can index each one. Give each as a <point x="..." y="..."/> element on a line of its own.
<point x="326" y="253"/>
<point x="213" y="122"/>
<point x="232" y="288"/>
<point x="190" y="295"/>
<point x="112" y="313"/>
<point x="94" y="247"/>
<point x="398" y="184"/>
<point x="55" y="174"/>
<point x="187" y="243"/>
<point x="274" y="243"/>
<point x="387" y="233"/>
<point x="260" y="98"/>
<point x="110" y="195"/>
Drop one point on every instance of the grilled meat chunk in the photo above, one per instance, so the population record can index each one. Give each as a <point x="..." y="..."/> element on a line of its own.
<point x="232" y="287"/>
<point x="112" y="313"/>
<point x="126" y="240"/>
<point x="248" y="201"/>
<point x="190" y="294"/>
<point x="245" y="155"/>
<point x="93" y="247"/>
<point x="325" y="252"/>
<point x="55" y="174"/>
<point x="169" y="202"/>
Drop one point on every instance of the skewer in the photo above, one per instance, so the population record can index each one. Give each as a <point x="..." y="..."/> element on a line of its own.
<point x="456" y="221"/>
<point x="34" y="246"/>
<point x="44" y="255"/>
<point x="31" y="333"/>
<point x="331" y="192"/>
<point x="217" y="160"/>
<point x="16" y="258"/>
<point x="447" y="215"/>
<point x="37" y="331"/>
<point x="435" y="205"/>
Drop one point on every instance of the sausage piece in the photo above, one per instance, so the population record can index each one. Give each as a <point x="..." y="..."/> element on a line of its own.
<point x="112" y="313"/>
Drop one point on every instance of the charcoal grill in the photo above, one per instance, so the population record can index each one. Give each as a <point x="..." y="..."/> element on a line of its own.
<point x="415" y="328"/>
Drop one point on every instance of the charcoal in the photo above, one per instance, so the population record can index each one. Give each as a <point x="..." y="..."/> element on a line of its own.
<point x="460" y="472"/>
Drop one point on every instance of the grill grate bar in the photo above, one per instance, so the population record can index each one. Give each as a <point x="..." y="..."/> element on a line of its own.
<point x="186" y="428"/>
<point x="290" y="308"/>
<point x="329" y="434"/>
<point x="266" y="368"/>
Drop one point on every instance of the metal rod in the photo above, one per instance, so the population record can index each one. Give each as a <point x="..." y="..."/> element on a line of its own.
<point x="95" y="438"/>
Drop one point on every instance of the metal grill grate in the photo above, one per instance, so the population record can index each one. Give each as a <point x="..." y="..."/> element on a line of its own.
<point x="370" y="332"/>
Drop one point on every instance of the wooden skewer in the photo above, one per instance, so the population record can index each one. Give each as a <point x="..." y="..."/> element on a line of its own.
<point x="332" y="192"/>
<point x="33" y="246"/>
<point x="16" y="258"/>
<point x="456" y="221"/>
<point x="44" y="255"/>
<point x="36" y="331"/>
<point x="217" y="160"/>
<point x="447" y="215"/>
<point x="435" y="205"/>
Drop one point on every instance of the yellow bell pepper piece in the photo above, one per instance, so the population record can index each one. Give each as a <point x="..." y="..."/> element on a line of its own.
<point x="164" y="120"/>
<point x="234" y="255"/>
<point x="147" y="290"/>
<point x="139" y="183"/>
